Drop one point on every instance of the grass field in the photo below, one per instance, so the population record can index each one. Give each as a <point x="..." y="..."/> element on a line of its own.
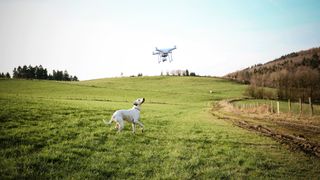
<point x="55" y="130"/>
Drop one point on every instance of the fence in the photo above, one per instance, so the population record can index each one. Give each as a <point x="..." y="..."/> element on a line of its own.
<point x="275" y="107"/>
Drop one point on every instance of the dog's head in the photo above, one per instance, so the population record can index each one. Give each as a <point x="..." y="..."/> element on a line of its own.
<point x="139" y="101"/>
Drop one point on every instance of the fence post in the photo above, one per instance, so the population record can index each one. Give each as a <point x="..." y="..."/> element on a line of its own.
<point x="278" y="107"/>
<point x="271" y="107"/>
<point x="310" y="106"/>
<point x="289" y="105"/>
<point x="300" y="105"/>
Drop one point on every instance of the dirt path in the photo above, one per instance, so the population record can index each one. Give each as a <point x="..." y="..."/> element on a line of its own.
<point x="297" y="135"/>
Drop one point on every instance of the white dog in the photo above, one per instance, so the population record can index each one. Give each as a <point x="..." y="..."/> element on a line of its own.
<point x="131" y="115"/>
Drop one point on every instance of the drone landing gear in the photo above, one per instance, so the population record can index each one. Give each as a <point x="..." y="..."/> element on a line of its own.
<point x="170" y="57"/>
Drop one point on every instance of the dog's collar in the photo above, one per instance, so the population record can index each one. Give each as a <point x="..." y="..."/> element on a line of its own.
<point x="137" y="108"/>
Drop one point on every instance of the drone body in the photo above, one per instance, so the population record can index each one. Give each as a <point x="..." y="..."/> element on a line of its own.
<point x="164" y="54"/>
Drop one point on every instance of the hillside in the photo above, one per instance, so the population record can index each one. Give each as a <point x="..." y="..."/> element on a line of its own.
<point x="295" y="75"/>
<point x="55" y="130"/>
<point x="292" y="60"/>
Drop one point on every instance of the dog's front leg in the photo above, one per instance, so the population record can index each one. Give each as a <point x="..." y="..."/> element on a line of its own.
<point x="133" y="128"/>
<point x="141" y="125"/>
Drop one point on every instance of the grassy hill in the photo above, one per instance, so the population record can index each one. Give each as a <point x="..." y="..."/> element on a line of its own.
<point x="290" y="61"/>
<point x="55" y="130"/>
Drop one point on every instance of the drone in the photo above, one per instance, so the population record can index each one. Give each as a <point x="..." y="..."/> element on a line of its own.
<point x="164" y="54"/>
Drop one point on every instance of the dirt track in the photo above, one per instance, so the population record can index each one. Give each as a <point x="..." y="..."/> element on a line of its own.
<point x="298" y="135"/>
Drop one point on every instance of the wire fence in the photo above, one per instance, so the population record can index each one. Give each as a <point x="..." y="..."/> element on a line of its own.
<point x="279" y="107"/>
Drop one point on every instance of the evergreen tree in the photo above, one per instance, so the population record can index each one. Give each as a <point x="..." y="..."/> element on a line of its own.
<point x="314" y="62"/>
<point x="8" y="75"/>
<point x="75" y="78"/>
<point x="50" y="77"/>
<point x="58" y="76"/>
<point x="15" y="73"/>
<point x="41" y="73"/>
<point x="19" y="72"/>
<point x="24" y="72"/>
<point x="66" y="76"/>
<point x="31" y="72"/>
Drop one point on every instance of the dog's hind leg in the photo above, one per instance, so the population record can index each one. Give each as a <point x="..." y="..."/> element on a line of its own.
<point x="106" y="122"/>
<point x="117" y="126"/>
<point x="110" y="121"/>
<point x="120" y="125"/>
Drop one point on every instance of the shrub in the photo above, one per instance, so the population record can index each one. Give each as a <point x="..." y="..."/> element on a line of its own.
<point x="260" y="92"/>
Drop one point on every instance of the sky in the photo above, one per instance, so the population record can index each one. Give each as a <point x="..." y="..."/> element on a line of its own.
<point x="106" y="38"/>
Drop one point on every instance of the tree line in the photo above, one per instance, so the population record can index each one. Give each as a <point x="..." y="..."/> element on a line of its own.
<point x="176" y="72"/>
<point x="39" y="72"/>
<point x="292" y="80"/>
<point x="179" y="72"/>
<point x="7" y="75"/>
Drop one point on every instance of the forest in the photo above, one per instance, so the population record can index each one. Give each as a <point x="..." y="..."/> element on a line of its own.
<point x="294" y="76"/>
<point x="39" y="72"/>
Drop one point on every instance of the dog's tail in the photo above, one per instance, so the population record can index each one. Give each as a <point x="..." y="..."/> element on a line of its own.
<point x="106" y="122"/>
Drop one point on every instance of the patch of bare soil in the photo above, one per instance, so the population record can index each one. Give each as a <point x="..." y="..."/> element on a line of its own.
<point x="299" y="133"/>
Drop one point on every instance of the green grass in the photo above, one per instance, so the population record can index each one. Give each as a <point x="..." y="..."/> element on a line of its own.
<point x="55" y="130"/>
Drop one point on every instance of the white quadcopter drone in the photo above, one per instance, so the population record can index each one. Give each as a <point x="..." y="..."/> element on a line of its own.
<point x="164" y="54"/>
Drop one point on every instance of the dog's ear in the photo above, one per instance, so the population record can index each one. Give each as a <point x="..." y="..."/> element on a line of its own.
<point x="135" y="103"/>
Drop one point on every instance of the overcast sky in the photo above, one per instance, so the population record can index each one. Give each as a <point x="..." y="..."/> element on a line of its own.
<point x="104" y="38"/>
